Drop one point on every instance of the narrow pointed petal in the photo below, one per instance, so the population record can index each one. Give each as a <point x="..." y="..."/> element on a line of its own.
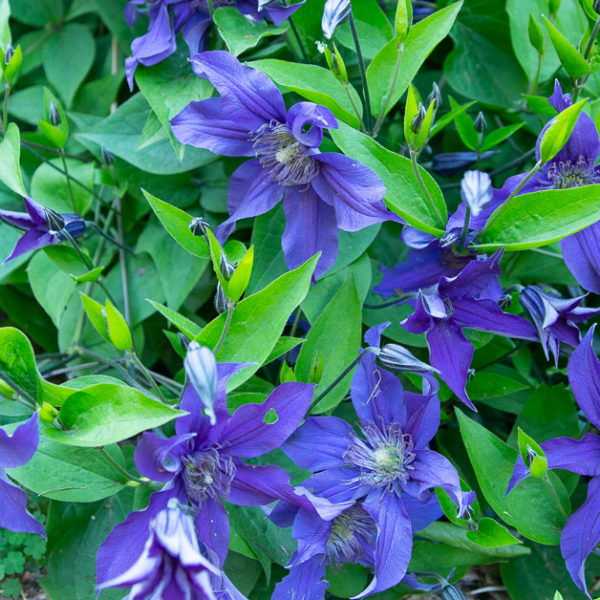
<point x="13" y="509"/>
<point x="278" y="13"/>
<point x="584" y="376"/>
<point x="212" y="527"/>
<point x="36" y="212"/>
<point x="579" y="456"/>
<point x="18" y="219"/>
<point x="249" y="96"/>
<point x="581" y="535"/>
<point x="393" y="547"/>
<point x="581" y="252"/>
<point x="310" y="227"/>
<point x="19" y="448"/>
<point x="305" y="581"/>
<point x="256" y="429"/>
<point x="32" y="240"/>
<point x="204" y="124"/>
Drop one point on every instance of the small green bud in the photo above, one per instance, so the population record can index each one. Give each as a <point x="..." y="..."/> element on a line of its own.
<point x="48" y="413"/>
<point x="403" y="20"/>
<point x="54" y="114"/>
<point x="435" y="95"/>
<point x="554" y="6"/>
<point x="417" y="122"/>
<point x="536" y="36"/>
<point x="480" y="123"/>
<point x="11" y="63"/>
<point x="198" y="226"/>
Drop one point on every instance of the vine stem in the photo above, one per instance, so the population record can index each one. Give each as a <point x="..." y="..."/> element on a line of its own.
<point x="230" y="310"/>
<point x="298" y="39"/>
<point x="64" y="164"/>
<point x="25" y="397"/>
<point x="363" y="74"/>
<point x="141" y="367"/>
<point x="122" y="470"/>
<point x="7" y="89"/>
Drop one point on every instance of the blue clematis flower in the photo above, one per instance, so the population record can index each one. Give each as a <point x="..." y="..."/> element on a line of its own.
<point x="321" y="191"/>
<point x="16" y="450"/>
<point x="581" y="533"/>
<point x="385" y="472"/>
<point x="190" y="17"/>
<point x="42" y="227"/>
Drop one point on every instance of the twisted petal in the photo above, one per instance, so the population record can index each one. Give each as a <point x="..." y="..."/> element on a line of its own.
<point x="249" y="97"/>
<point x="252" y="192"/>
<point x="353" y="189"/>
<point x="19" y="448"/>
<point x="393" y="547"/>
<point x="584" y="376"/>
<point x="581" y="534"/>
<point x="158" y="458"/>
<point x="36" y="212"/>
<point x="13" y="509"/>
<point x="581" y="252"/>
<point x="256" y="429"/>
<point x="310" y="227"/>
<point x="305" y="581"/>
<point x="204" y="124"/>
<point x="311" y="116"/>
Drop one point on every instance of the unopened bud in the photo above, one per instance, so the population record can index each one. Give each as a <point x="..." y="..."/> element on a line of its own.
<point x="480" y="123"/>
<point x="554" y="6"/>
<point x="10" y="52"/>
<point x="417" y="122"/>
<point x="597" y="6"/>
<point x="184" y="341"/>
<point x="449" y="592"/>
<point x="399" y="358"/>
<point x="221" y="302"/>
<point x="53" y="114"/>
<point x="435" y="95"/>
<point x="536" y="36"/>
<point x="227" y="268"/>
<point x="505" y="301"/>
<point x="201" y="368"/>
<point x="54" y="221"/>
<point x="198" y="226"/>
<point x="335" y="12"/>
<point x="108" y="157"/>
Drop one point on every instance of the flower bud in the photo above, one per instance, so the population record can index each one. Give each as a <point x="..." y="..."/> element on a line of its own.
<point x="75" y="227"/>
<point x="536" y="36"/>
<point x="450" y="163"/>
<point x="554" y="6"/>
<point x="107" y="156"/>
<point x="54" y="220"/>
<point x="335" y="13"/>
<point x="53" y="114"/>
<point x="480" y="123"/>
<point x="435" y="95"/>
<point x="198" y="226"/>
<point x="10" y="52"/>
<point x="201" y="368"/>
<point x="399" y="358"/>
<point x="227" y="268"/>
<point x="184" y="341"/>
<point x="221" y="302"/>
<point x="476" y="190"/>
<point x="417" y="122"/>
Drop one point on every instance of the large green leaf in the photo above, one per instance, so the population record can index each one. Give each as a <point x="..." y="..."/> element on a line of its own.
<point x="383" y="72"/>
<point x="17" y="360"/>
<point x="258" y="321"/>
<point x="10" y="153"/>
<point x="315" y="84"/>
<point x="333" y="341"/>
<point x="38" y="13"/>
<point x="539" y="218"/>
<point x="531" y="507"/>
<point x="404" y="195"/>
<point x="104" y="413"/>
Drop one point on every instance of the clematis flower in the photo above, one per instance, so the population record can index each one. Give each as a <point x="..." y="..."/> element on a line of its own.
<point x="203" y="464"/>
<point x="40" y="227"/>
<point x="573" y="166"/>
<point x="321" y="191"/>
<point x="190" y="17"/>
<point x="386" y="471"/>
<point x="431" y="258"/>
<point x="554" y="318"/>
<point x="172" y="564"/>
<point x="581" y="533"/>
<point x="470" y="299"/>
<point x="16" y="450"/>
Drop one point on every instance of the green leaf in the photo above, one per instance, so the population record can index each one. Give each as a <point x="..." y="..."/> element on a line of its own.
<point x="450" y="116"/>
<point x="17" y="360"/>
<point x="258" y="321"/>
<point x="559" y="132"/>
<point x="346" y="581"/>
<point x="182" y="323"/>
<point x="104" y="413"/>
<point x="120" y="134"/>
<point x="485" y="385"/>
<point x="571" y="59"/>
<point x="10" y="153"/>
<point x="37" y="12"/>
<point x="491" y="534"/>
<point x="314" y="83"/>
<point x="118" y="330"/>
<point x="97" y="315"/>
<point x="335" y="336"/>
<point x="5" y="37"/>
<point x="499" y="135"/>
<point x="530" y="507"/>
<point x="422" y="38"/>
<point x="539" y="218"/>
<point x="465" y="126"/>
<point x="177" y="223"/>
<point x="68" y="57"/>
<point x="71" y="474"/>
<point x="92" y="275"/>
<point x="241" y="34"/>
<point x="404" y="195"/>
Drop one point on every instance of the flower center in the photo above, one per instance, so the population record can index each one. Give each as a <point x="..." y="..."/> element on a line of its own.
<point x="207" y="474"/>
<point x="568" y="174"/>
<point x="350" y="533"/>
<point x="283" y="156"/>
<point x="384" y="458"/>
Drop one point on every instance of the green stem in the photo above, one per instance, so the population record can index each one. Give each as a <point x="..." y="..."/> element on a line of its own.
<point x="389" y="303"/>
<point x="140" y="365"/>
<point x="424" y="188"/>
<point x="230" y="310"/>
<point x="123" y="263"/>
<point x="382" y="114"/>
<point x="354" y="107"/>
<point x="593" y="35"/>
<point x="298" y="39"/>
<point x="25" y="397"/>
<point x="64" y="163"/>
<point x="5" y="108"/>
<point x="121" y="469"/>
<point x="363" y="74"/>
<point x="534" y="83"/>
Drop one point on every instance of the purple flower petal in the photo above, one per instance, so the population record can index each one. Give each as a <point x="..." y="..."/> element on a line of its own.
<point x="249" y="96"/>
<point x="581" y="534"/>
<point x="195" y="32"/>
<point x="394" y="541"/>
<point x="13" y="509"/>
<point x="306" y="578"/>
<point x="421" y="513"/>
<point x="18" y="219"/>
<point x="278" y="13"/>
<point x="579" y="456"/>
<point x="19" y="448"/>
<point x="474" y="279"/>
<point x="338" y="485"/>
<point x="315" y="117"/>
<point x="212" y="527"/>
<point x="34" y="239"/>
<point x="203" y="124"/>
<point x="581" y="252"/>
<point x="36" y="212"/>
<point x="584" y="376"/>
<point x="353" y="189"/>
<point x="312" y="534"/>
<point x="159" y="459"/>
<point x="310" y="228"/>
<point x="332" y="435"/>
<point x="423" y="412"/>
